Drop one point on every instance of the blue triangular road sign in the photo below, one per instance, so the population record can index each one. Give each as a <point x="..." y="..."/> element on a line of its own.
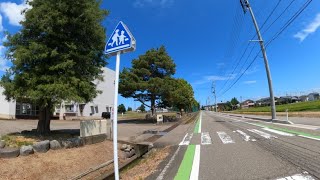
<point x="120" y="40"/>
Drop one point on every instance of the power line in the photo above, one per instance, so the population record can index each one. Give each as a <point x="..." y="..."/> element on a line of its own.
<point x="238" y="62"/>
<point x="287" y="24"/>
<point x="278" y="16"/>
<point x="273" y="10"/>
<point x="241" y="74"/>
<point x="234" y="38"/>
<point x="291" y="20"/>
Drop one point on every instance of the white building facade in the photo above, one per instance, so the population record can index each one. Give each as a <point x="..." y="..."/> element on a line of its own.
<point x="102" y="103"/>
<point x="7" y="109"/>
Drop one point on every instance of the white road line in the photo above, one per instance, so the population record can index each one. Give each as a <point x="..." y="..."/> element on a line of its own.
<point x="200" y="122"/>
<point x="196" y="164"/>
<point x="183" y="139"/>
<point x="263" y="134"/>
<point x="164" y="171"/>
<point x="186" y="140"/>
<point x="205" y="138"/>
<point x="303" y="176"/>
<point x="244" y="136"/>
<point x="225" y="138"/>
<point x="254" y="124"/>
<point x="278" y="132"/>
<point x="309" y="137"/>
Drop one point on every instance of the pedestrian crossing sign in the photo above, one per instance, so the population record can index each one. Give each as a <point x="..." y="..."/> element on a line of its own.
<point x="120" y="40"/>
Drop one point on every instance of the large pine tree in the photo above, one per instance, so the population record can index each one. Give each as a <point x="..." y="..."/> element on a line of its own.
<point x="56" y="55"/>
<point x="147" y="80"/>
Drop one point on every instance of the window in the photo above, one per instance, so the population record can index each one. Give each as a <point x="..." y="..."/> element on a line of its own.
<point x="18" y="105"/>
<point x="69" y="108"/>
<point x="97" y="110"/>
<point x="27" y="109"/>
<point x="92" y="110"/>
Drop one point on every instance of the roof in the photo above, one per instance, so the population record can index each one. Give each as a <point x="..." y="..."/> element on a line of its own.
<point x="315" y="93"/>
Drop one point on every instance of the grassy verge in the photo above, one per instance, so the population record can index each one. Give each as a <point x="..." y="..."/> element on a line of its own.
<point x="17" y="141"/>
<point x="30" y="137"/>
<point x="294" y="107"/>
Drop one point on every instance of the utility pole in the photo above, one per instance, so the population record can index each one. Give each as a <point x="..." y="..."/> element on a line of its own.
<point x="246" y="6"/>
<point x="213" y="88"/>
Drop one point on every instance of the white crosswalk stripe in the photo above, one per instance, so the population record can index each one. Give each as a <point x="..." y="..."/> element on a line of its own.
<point x="224" y="137"/>
<point x="263" y="134"/>
<point x="205" y="138"/>
<point x="186" y="140"/>
<point x="303" y="176"/>
<point x="244" y="136"/>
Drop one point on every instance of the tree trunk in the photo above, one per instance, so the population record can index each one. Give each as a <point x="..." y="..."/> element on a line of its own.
<point x="44" y="120"/>
<point x="153" y="107"/>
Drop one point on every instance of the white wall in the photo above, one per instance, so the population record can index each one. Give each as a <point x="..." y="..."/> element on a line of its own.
<point x="7" y="109"/>
<point x="105" y="99"/>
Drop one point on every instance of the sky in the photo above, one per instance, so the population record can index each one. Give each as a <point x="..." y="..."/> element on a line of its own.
<point x="206" y="39"/>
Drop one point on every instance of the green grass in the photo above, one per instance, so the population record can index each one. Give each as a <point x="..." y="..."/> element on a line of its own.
<point x="15" y="141"/>
<point x="294" y="107"/>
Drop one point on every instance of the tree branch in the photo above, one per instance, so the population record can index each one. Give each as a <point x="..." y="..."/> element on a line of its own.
<point x="143" y="103"/>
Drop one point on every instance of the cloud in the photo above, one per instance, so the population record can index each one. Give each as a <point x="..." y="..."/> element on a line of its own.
<point x="207" y="79"/>
<point x="251" y="71"/>
<point x="13" y="11"/>
<point x="154" y="3"/>
<point x="4" y="39"/>
<point x="250" y="82"/>
<point x="309" y="29"/>
<point x="220" y="64"/>
<point x="1" y="27"/>
<point x="3" y="62"/>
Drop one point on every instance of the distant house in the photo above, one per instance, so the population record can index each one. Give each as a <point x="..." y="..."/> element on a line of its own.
<point x="313" y="96"/>
<point x="265" y="101"/>
<point x="221" y="107"/>
<point x="247" y="104"/>
<point x="162" y="110"/>
<point x="303" y="98"/>
<point x="288" y="99"/>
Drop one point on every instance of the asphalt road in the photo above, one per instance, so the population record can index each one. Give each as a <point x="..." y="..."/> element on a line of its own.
<point x="219" y="147"/>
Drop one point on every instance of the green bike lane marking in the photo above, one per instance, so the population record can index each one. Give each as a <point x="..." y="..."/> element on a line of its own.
<point x="185" y="167"/>
<point x="196" y="128"/>
<point x="289" y="131"/>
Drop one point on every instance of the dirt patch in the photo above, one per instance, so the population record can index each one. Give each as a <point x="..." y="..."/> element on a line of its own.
<point x="58" y="164"/>
<point x="146" y="166"/>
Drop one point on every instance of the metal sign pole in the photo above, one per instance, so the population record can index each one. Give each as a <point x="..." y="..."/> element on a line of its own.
<point x="115" y="120"/>
<point x="120" y="41"/>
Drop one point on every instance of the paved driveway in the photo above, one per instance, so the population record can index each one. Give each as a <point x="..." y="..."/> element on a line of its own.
<point x="11" y="126"/>
<point x="127" y="130"/>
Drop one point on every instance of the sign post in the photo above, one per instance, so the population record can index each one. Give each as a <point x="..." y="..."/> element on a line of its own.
<point x="121" y="41"/>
